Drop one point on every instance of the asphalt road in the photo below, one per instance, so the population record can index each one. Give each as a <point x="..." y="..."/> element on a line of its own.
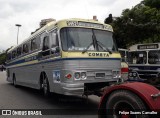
<point x="62" y="106"/>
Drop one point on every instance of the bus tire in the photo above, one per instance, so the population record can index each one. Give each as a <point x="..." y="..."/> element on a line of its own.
<point x="14" y="81"/>
<point x="121" y="101"/>
<point x="45" y="85"/>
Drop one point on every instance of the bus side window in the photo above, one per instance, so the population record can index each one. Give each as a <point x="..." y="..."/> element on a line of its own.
<point x="19" y="51"/>
<point x="8" y="56"/>
<point x="14" y="54"/>
<point x="54" y="42"/>
<point x="25" y="48"/>
<point x="33" y="44"/>
<point x="45" y="48"/>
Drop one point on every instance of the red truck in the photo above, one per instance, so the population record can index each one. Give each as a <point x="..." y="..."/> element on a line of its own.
<point x="130" y="100"/>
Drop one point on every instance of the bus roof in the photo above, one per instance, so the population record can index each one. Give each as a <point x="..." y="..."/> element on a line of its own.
<point x="146" y="46"/>
<point x="72" y="22"/>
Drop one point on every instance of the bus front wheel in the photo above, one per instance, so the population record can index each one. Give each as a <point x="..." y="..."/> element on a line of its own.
<point x="45" y="86"/>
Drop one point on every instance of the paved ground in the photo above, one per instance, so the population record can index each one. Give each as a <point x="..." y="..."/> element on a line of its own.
<point x="26" y="98"/>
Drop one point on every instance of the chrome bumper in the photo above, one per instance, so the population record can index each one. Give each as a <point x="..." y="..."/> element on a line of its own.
<point x="73" y="89"/>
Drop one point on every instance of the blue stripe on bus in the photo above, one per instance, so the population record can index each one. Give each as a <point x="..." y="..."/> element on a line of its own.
<point x="59" y="59"/>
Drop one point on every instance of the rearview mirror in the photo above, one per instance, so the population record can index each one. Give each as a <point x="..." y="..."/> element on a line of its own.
<point x="55" y="50"/>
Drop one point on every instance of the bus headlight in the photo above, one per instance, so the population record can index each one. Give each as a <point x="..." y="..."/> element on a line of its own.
<point x="77" y="75"/>
<point x="80" y="75"/>
<point x="132" y="74"/>
<point x="83" y="75"/>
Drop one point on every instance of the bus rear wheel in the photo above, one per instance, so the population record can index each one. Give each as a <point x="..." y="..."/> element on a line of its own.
<point x="122" y="103"/>
<point x="45" y="86"/>
<point x="14" y="81"/>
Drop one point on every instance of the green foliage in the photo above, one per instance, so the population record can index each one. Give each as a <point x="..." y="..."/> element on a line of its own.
<point x="152" y="3"/>
<point x="141" y="24"/>
<point x="2" y="58"/>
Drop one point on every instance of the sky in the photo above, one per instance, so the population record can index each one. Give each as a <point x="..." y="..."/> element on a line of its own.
<point x="29" y="13"/>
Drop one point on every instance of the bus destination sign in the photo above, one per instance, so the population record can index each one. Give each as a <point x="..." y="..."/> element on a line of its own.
<point x="150" y="46"/>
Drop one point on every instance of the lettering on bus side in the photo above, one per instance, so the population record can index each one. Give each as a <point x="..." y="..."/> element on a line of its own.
<point x="98" y="54"/>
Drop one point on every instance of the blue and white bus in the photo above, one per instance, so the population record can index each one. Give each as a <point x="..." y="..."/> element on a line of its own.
<point x="144" y="63"/>
<point x="68" y="57"/>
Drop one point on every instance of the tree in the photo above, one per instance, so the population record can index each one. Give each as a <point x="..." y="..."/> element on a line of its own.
<point x="109" y="19"/>
<point x="152" y="3"/>
<point x="3" y="56"/>
<point x="141" y="24"/>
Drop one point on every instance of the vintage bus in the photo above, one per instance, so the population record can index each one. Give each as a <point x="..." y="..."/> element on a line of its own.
<point x="144" y="63"/>
<point x="124" y="63"/>
<point x="70" y="57"/>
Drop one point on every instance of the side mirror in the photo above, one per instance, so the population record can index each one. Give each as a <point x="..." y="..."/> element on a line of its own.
<point x="55" y="50"/>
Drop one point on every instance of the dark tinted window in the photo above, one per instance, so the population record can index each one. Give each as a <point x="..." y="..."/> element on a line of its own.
<point x="19" y="51"/>
<point x="9" y="56"/>
<point x="14" y="54"/>
<point x="46" y="43"/>
<point x="46" y="49"/>
<point x="35" y="43"/>
<point x="138" y="57"/>
<point x="25" y="48"/>
<point x="154" y="57"/>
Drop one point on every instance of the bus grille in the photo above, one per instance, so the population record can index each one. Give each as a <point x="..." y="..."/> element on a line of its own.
<point x="147" y="74"/>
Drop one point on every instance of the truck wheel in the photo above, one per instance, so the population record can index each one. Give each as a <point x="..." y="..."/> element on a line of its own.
<point x="45" y="85"/>
<point x="125" y="104"/>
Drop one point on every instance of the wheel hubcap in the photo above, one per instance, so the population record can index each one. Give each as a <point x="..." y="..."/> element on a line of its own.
<point x="45" y="87"/>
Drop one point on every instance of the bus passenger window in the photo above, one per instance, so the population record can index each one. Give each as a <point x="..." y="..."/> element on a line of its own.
<point x="8" y="56"/>
<point x="25" y="48"/>
<point x="35" y="43"/>
<point x="13" y="54"/>
<point x="19" y="51"/>
<point x="54" y="39"/>
<point x="45" y="49"/>
<point x="54" y="43"/>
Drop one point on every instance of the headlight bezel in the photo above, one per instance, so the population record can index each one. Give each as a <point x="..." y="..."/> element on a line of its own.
<point x="82" y="75"/>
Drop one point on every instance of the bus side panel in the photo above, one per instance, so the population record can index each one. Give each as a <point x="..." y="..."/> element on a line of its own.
<point x="26" y="75"/>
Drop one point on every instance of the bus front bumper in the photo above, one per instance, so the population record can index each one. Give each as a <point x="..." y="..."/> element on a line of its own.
<point x="73" y="89"/>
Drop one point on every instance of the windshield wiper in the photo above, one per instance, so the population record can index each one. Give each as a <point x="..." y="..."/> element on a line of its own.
<point x="95" y="44"/>
<point x="85" y="50"/>
<point x="100" y="44"/>
<point x="103" y="47"/>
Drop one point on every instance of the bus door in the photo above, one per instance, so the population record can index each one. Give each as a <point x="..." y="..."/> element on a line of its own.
<point x="50" y="45"/>
<point x="50" y="52"/>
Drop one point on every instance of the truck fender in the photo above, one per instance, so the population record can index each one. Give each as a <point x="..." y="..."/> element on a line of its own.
<point x="147" y="93"/>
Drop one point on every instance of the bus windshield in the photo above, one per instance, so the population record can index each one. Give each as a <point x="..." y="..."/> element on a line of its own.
<point x="154" y="57"/>
<point x="79" y="39"/>
<point x="137" y="57"/>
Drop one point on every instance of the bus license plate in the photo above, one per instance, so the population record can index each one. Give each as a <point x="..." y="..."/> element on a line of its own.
<point x="100" y="75"/>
